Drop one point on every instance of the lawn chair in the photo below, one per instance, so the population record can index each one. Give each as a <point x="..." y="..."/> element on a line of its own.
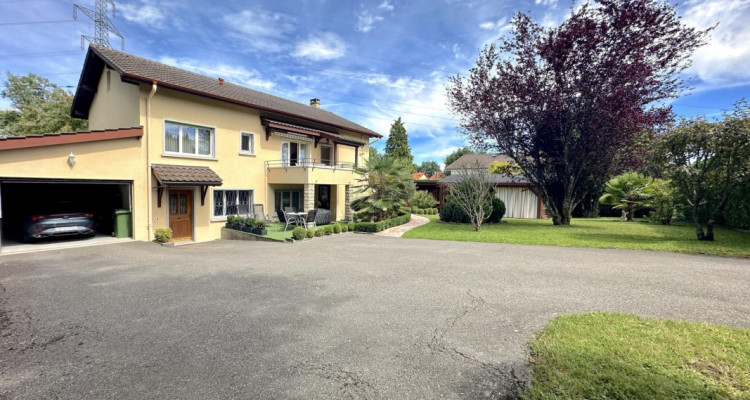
<point x="290" y="219"/>
<point x="260" y="213"/>
<point x="310" y="219"/>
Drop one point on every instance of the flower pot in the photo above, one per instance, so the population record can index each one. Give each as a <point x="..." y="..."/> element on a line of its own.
<point x="247" y="229"/>
<point x="258" y="231"/>
<point x="236" y="227"/>
<point x="228" y="225"/>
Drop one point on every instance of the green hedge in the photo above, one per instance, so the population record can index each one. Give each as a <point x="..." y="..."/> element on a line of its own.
<point x="381" y="225"/>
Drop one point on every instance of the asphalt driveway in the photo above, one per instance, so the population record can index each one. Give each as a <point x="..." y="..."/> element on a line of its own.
<point x="354" y="316"/>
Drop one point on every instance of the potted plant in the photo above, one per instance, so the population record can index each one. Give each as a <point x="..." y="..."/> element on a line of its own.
<point x="248" y="224"/>
<point x="259" y="227"/>
<point x="232" y="222"/>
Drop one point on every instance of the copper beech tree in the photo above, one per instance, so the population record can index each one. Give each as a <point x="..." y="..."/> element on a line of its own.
<point x="569" y="104"/>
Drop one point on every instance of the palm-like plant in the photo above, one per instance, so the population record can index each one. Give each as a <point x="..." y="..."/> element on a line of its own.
<point x="628" y="192"/>
<point x="386" y="184"/>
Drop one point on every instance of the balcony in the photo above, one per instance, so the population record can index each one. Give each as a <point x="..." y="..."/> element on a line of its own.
<point x="309" y="171"/>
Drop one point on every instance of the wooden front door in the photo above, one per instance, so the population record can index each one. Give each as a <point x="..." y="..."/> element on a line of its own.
<point x="181" y="214"/>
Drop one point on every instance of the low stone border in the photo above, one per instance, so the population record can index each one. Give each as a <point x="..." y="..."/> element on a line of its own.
<point x="291" y="240"/>
<point x="232" y="234"/>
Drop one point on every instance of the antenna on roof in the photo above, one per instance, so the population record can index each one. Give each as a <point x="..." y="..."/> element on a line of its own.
<point x="102" y="25"/>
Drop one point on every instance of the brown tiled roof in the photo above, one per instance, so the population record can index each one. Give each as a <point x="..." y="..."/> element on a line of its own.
<point x="185" y="175"/>
<point x="308" y="131"/>
<point x="52" y="139"/>
<point x="143" y="70"/>
<point x="474" y="160"/>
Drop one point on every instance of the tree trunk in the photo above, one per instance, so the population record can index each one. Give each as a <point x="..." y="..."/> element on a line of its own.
<point x="631" y="211"/>
<point x="709" y="232"/>
<point x="698" y="228"/>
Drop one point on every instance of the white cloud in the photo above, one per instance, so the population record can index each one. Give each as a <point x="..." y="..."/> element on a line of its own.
<point x="726" y="57"/>
<point x="366" y="21"/>
<point x="142" y="13"/>
<point x="261" y="29"/>
<point x="546" y="2"/>
<point x="386" y="5"/>
<point x="499" y="25"/>
<point x="231" y="73"/>
<point x="322" y="46"/>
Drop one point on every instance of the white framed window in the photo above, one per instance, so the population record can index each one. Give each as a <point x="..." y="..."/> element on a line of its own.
<point x="247" y="143"/>
<point x="294" y="153"/>
<point x="232" y="202"/>
<point x="189" y="140"/>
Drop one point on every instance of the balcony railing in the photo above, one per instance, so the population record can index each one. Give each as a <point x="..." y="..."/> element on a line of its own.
<point x="309" y="163"/>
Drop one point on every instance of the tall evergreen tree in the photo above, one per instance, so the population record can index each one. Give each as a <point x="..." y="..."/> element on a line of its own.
<point x="397" y="145"/>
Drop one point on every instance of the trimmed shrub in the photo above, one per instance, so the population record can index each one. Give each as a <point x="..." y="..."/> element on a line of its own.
<point x="232" y="219"/>
<point x="498" y="211"/>
<point x="345" y="228"/>
<point x="352" y="225"/>
<point x="163" y="235"/>
<point x="406" y="209"/>
<point x="382" y="225"/>
<point x="320" y="232"/>
<point x="258" y="224"/>
<point x="310" y="233"/>
<point x="328" y="229"/>
<point x="452" y="212"/>
<point x="336" y="228"/>
<point x="299" y="233"/>
<point x="249" y="222"/>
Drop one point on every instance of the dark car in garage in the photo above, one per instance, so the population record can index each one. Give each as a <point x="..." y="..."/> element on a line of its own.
<point x="60" y="224"/>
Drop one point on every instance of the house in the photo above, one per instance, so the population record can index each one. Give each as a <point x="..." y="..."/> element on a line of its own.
<point x="518" y="194"/>
<point x="181" y="150"/>
<point x="419" y="176"/>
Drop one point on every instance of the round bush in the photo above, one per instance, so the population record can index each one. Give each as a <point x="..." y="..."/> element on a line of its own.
<point x="498" y="211"/>
<point x="328" y="229"/>
<point x="352" y="225"/>
<point x="344" y="228"/>
<point x="336" y="228"/>
<point x="310" y="233"/>
<point x="299" y="233"/>
<point x="320" y="232"/>
<point x="163" y="235"/>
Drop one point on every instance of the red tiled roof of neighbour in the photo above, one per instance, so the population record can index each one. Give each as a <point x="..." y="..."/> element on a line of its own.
<point x="477" y="160"/>
<point x="417" y="175"/>
<point x="186" y="175"/>
<point x="436" y="176"/>
<point x="141" y="70"/>
<point x="53" y="139"/>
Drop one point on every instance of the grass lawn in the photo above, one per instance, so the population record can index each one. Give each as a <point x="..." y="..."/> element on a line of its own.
<point x="620" y="356"/>
<point x="597" y="232"/>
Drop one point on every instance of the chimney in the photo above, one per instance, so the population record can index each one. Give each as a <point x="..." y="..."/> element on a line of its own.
<point x="315" y="102"/>
<point x="221" y="81"/>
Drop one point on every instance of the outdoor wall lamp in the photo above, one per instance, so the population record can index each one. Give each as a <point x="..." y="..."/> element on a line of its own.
<point x="71" y="159"/>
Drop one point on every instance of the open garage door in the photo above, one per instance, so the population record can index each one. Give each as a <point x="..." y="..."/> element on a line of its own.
<point x="22" y="199"/>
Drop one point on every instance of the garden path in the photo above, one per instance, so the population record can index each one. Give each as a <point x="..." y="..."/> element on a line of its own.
<point x="398" y="231"/>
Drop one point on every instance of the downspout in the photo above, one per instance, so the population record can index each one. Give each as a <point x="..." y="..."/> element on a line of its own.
<point x="369" y="145"/>
<point x="150" y="225"/>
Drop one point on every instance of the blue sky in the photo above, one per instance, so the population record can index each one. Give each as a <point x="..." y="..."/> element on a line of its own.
<point x="369" y="61"/>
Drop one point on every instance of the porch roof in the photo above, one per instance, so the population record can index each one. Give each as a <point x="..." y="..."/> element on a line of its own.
<point x="185" y="175"/>
<point x="315" y="133"/>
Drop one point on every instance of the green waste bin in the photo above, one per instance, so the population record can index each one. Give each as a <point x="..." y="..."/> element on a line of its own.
<point x="123" y="225"/>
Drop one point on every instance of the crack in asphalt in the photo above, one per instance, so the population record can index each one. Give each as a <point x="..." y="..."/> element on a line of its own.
<point x="438" y="345"/>
<point x="351" y="384"/>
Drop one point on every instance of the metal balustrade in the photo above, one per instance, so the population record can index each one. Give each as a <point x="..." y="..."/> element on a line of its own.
<point x="308" y="163"/>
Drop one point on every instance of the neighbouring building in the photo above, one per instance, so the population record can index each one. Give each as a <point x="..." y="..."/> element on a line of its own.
<point x="181" y="150"/>
<point x="518" y="194"/>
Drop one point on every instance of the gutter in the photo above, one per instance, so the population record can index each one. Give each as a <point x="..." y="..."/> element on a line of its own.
<point x="149" y="225"/>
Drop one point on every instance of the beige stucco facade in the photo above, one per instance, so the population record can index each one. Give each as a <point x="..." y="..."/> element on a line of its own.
<point x="118" y="104"/>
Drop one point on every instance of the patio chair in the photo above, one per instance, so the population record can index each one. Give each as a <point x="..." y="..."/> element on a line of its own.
<point x="290" y="219"/>
<point x="310" y="219"/>
<point x="260" y="213"/>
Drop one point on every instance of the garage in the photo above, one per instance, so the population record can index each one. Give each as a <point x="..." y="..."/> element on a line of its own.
<point x="22" y="199"/>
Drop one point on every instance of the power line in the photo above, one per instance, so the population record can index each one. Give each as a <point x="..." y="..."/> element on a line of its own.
<point x="47" y="54"/>
<point x="59" y="21"/>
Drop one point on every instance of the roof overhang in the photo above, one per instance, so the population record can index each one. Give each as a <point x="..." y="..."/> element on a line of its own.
<point x="185" y="175"/>
<point x="94" y="64"/>
<point x="316" y="134"/>
<point x="54" y="139"/>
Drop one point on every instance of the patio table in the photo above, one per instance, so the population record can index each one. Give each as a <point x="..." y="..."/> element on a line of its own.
<point x="298" y="217"/>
